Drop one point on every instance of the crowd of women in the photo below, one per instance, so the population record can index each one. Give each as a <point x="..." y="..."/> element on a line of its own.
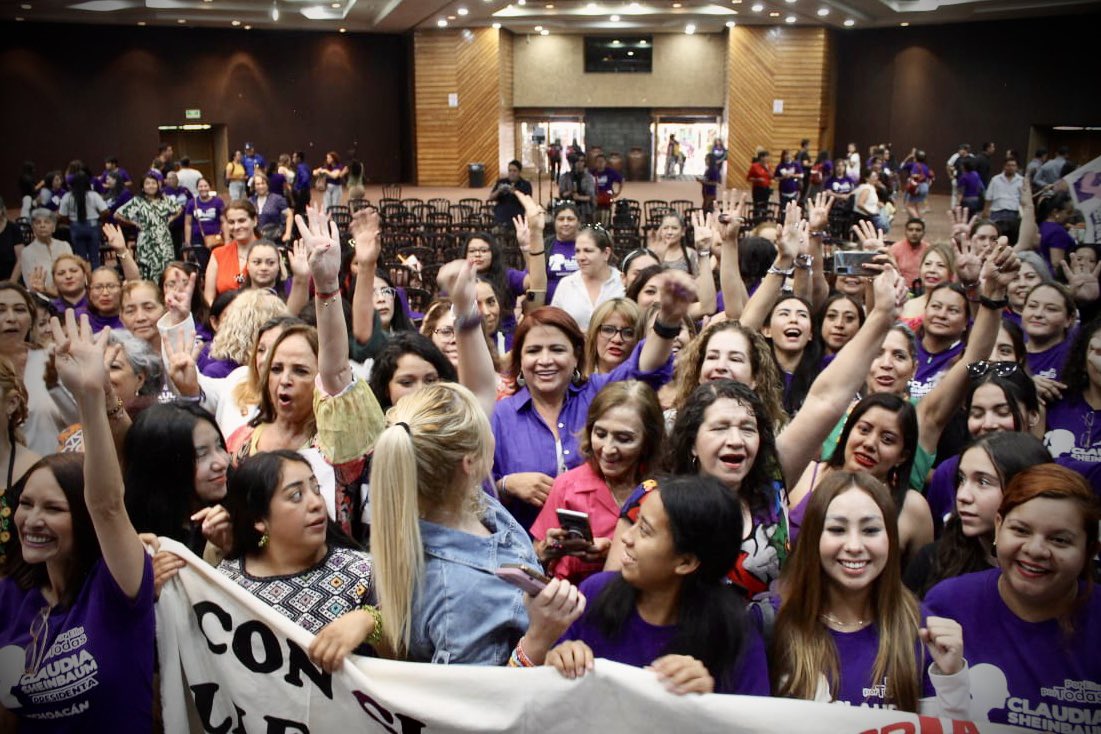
<point x="710" y="458"/>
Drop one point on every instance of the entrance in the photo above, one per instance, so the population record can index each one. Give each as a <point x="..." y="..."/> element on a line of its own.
<point x="695" y="135"/>
<point x="206" y="146"/>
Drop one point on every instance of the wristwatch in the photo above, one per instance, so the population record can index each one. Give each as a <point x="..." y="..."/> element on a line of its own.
<point x="803" y="261"/>
<point x="779" y="271"/>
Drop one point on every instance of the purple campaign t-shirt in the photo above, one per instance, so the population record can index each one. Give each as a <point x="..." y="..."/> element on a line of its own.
<point x="970" y="185"/>
<point x="856" y="653"/>
<point x="789" y="185"/>
<point x="840" y="185"/>
<point x="641" y="643"/>
<point x="96" y="674"/>
<point x="1074" y="430"/>
<point x="932" y="367"/>
<point x="560" y="263"/>
<point x="1026" y="674"/>
<point x="206" y="217"/>
<point x="1049" y="363"/>
<point x="1053" y="234"/>
<point x="605" y="179"/>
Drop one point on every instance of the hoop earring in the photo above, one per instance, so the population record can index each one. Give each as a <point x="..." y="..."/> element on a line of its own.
<point x="576" y="379"/>
<point x="520" y="380"/>
<point x="264" y="539"/>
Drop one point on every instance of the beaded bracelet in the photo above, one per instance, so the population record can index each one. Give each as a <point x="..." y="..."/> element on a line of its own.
<point x="518" y="659"/>
<point x="376" y="634"/>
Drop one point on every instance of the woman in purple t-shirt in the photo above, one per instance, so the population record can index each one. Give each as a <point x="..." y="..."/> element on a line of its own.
<point x="847" y="629"/>
<point x="1055" y="242"/>
<point x="559" y="249"/>
<point x="77" y="590"/>
<point x="1048" y="321"/>
<point x="669" y="609"/>
<point x="1031" y="623"/>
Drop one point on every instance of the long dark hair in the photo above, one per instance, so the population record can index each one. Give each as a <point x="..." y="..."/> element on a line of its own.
<point x="248" y="500"/>
<point x="898" y="478"/>
<point x="810" y="362"/>
<point x="756" y="488"/>
<point x="703" y="518"/>
<point x="1075" y="375"/>
<point x="68" y="471"/>
<point x="399" y="345"/>
<point x="1011" y="452"/>
<point x="159" y="453"/>
<point x="497" y="274"/>
<point x="78" y="189"/>
<point x="1017" y="387"/>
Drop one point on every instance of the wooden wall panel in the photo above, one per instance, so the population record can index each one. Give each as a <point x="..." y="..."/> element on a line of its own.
<point x="765" y="64"/>
<point x="507" y="124"/>
<point x="467" y="63"/>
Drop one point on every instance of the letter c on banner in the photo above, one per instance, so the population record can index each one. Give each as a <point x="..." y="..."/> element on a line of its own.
<point x="204" y="608"/>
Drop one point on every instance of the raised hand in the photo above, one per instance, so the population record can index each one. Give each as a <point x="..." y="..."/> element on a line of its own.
<point x="943" y="638"/>
<point x="178" y="300"/>
<point x="462" y="292"/>
<point x="321" y="237"/>
<point x="1081" y="279"/>
<point x="79" y="354"/>
<point x="703" y="227"/>
<point x="819" y="211"/>
<point x="38" y="279"/>
<point x="365" y="225"/>
<point x="870" y="238"/>
<point x="1000" y="267"/>
<point x="730" y="219"/>
<point x="115" y="239"/>
<point x="958" y="217"/>
<point x="299" y="261"/>
<point x="885" y="288"/>
<point x="968" y="257"/>
<point x="182" y="353"/>
<point x="523" y="233"/>
<point x="790" y="241"/>
<point x="678" y="293"/>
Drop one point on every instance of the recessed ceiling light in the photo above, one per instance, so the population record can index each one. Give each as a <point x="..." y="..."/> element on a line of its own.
<point x="823" y="12"/>
<point x="141" y="22"/>
<point x="614" y="18"/>
<point x="235" y="23"/>
<point x="181" y="21"/>
<point x="26" y="6"/>
<point x="275" y="12"/>
<point x="730" y="24"/>
<point x="451" y="17"/>
<point x="904" y="24"/>
<point x="630" y="53"/>
<point x="538" y="28"/>
<point x="790" y="2"/>
<point x="248" y="28"/>
<point x="544" y="32"/>
<point x="757" y="7"/>
<point x="18" y="19"/>
<point x="334" y="5"/>
<point x="343" y="30"/>
<point x="642" y="42"/>
<point x="442" y="23"/>
<point x="497" y="26"/>
<point x="616" y="42"/>
<point x="550" y="6"/>
<point x="790" y="19"/>
<point x="462" y="11"/>
<point x="521" y="2"/>
<point x="774" y="14"/>
<point x="849" y="23"/>
<point x="633" y="6"/>
<point x="208" y="1"/>
<point x="735" y="2"/>
<point x="676" y="5"/>
<point x="690" y="28"/>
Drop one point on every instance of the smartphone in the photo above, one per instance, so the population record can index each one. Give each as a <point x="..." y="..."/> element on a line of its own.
<point x="576" y="524"/>
<point x="523" y="577"/>
<point x="852" y="262"/>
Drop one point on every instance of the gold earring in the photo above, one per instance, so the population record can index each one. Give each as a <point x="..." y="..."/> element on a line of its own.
<point x="264" y="539"/>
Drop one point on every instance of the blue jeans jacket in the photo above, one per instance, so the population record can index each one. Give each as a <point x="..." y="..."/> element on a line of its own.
<point x="462" y="612"/>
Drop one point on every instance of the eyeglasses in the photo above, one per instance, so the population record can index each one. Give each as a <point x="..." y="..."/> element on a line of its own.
<point x="100" y="287"/>
<point x="40" y="633"/>
<point x="477" y="251"/>
<point x="627" y="333"/>
<point x="447" y="332"/>
<point x="388" y="292"/>
<point x="1001" y="369"/>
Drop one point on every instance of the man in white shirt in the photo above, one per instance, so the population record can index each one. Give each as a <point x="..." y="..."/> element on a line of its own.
<point x="1003" y="199"/>
<point x="1052" y="171"/>
<point x="189" y="177"/>
<point x="955" y="165"/>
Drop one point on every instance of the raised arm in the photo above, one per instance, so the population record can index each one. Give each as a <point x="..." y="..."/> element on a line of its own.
<point x="937" y="408"/>
<point x="787" y="247"/>
<point x="819" y="218"/>
<point x="475" y="362"/>
<point x="299" y="260"/>
<point x="365" y="232"/>
<point x="80" y="366"/>
<point x="678" y="291"/>
<point x="833" y="391"/>
<point x="322" y="240"/>
<point x="704" y="228"/>
<point x="728" y="225"/>
<point x="1028" y="235"/>
<point x="528" y="229"/>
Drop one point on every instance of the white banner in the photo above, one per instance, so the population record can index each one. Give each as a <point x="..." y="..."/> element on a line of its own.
<point x="1084" y="184"/>
<point x="231" y="664"/>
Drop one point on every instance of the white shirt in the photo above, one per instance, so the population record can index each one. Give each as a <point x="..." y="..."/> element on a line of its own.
<point x="189" y="179"/>
<point x="1004" y="194"/>
<point x="573" y="297"/>
<point x="38" y="255"/>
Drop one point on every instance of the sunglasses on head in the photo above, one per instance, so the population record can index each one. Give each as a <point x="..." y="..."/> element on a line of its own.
<point x="1001" y="369"/>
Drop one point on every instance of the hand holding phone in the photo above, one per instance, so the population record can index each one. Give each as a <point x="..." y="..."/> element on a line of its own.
<point x="524" y="577"/>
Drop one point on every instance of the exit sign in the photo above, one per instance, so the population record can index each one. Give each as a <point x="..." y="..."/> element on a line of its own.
<point x="194" y="114"/>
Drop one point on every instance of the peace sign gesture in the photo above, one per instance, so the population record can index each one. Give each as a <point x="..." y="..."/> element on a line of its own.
<point x="1082" y="279"/>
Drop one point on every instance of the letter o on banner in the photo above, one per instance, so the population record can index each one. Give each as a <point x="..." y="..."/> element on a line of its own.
<point x="244" y="650"/>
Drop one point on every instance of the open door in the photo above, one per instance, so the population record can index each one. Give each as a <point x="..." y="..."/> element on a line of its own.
<point x="206" y="146"/>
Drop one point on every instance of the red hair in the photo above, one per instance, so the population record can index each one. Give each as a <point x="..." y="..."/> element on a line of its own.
<point x="546" y="316"/>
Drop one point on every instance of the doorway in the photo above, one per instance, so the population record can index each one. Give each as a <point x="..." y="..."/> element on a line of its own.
<point x="206" y="145"/>
<point x="695" y="134"/>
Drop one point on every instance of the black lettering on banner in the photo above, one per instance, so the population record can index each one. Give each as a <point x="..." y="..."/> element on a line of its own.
<point x="242" y="647"/>
<point x="203" y="608"/>
<point x="408" y="725"/>
<point x="204" y="703"/>
<point x="283" y="726"/>
<point x="299" y="662"/>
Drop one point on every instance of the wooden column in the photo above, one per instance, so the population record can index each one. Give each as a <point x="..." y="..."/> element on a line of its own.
<point x="476" y="66"/>
<point x="763" y="65"/>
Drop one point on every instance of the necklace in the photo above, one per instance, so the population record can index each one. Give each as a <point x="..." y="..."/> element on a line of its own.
<point x="832" y="621"/>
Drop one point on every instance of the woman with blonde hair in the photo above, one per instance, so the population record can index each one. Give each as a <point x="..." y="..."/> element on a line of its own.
<point x="438" y="538"/>
<point x="616" y="327"/>
<point x="236" y="336"/>
<point x="847" y="629"/>
<point x="71" y="276"/>
<point x="938" y="265"/>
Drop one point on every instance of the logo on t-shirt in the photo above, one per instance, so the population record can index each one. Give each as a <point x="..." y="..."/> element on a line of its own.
<point x="990" y="694"/>
<point x="68" y="672"/>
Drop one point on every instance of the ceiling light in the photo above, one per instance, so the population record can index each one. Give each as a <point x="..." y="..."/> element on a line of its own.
<point x="904" y="24"/>
<point x="521" y="2"/>
<point x="735" y="2"/>
<point x="26" y="6"/>
<point x="18" y="19"/>
<point x="181" y="21"/>
<point x="615" y="18"/>
<point x="343" y="30"/>
<point x="690" y="28"/>
<point x="442" y="23"/>
<point x="616" y="42"/>
<point x="274" y="12"/>
<point x="248" y="28"/>
<point x="630" y="53"/>
<point x="496" y="26"/>
<point x="730" y="24"/>
<point x="790" y="2"/>
<point x="544" y="32"/>
<point x="633" y="6"/>
<point x="823" y="12"/>
<point x="642" y="42"/>
<point x="757" y="7"/>
<point x="141" y="22"/>
<point x="538" y="28"/>
<point x="235" y="23"/>
<point x="550" y="6"/>
<point x="849" y="23"/>
<point x="334" y="6"/>
<point x="462" y="11"/>
<point x="774" y="14"/>
<point x="208" y="1"/>
<point x="789" y="19"/>
<point x="451" y="17"/>
<point x="676" y="5"/>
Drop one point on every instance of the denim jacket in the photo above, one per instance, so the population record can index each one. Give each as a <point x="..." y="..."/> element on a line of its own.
<point x="463" y="613"/>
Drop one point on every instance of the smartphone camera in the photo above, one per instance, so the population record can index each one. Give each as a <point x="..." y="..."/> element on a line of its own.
<point x="852" y="262"/>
